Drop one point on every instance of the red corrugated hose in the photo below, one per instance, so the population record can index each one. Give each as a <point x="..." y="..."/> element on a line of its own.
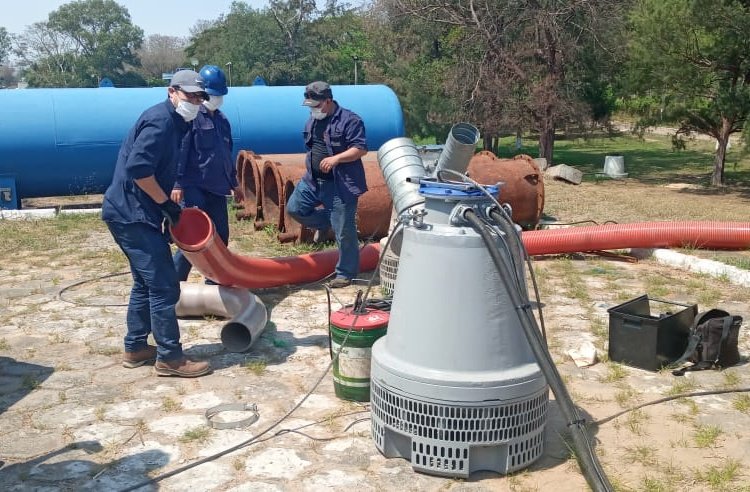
<point x="195" y="235"/>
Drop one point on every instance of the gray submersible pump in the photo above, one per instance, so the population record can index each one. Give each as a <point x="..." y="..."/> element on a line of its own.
<point x="455" y="386"/>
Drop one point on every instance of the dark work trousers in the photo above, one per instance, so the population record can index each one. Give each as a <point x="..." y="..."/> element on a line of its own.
<point x="215" y="207"/>
<point x="336" y="213"/>
<point x="155" y="291"/>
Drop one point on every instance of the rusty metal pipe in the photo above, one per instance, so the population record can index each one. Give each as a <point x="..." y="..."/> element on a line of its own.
<point x="523" y="184"/>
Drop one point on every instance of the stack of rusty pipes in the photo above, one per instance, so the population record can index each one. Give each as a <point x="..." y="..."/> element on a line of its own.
<point x="269" y="180"/>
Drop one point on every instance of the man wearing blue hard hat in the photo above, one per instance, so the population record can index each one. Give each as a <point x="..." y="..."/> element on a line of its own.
<point x="138" y="211"/>
<point x="206" y="173"/>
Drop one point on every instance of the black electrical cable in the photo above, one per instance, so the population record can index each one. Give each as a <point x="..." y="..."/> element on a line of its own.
<point x="666" y="399"/>
<point x="503" y="218"/>
<point x="505" y="222"/>
<point x="582" y="222"/>
<point x="590" y="466"/>
<point x="255" y="438"/>
<point x="81" y="282"/>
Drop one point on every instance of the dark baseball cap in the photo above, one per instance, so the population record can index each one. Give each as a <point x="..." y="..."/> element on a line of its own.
<point x="188" y="81"/>
<point x="317" y="92"/>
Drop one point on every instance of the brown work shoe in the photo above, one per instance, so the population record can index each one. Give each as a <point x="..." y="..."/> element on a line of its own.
<point x="183" y="367"/>
<point x="339" y="282"/>
<point x="139" y="357"/>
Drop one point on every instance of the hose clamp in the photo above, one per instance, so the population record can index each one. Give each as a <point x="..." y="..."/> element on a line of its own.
<point x="232" y="407"/>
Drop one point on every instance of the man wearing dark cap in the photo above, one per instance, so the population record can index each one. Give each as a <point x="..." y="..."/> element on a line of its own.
<point x="137" y="210"/>
<point x="326" y="197"/>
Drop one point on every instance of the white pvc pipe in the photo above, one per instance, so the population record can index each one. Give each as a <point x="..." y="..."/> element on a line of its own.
<point x="247" y="312"/>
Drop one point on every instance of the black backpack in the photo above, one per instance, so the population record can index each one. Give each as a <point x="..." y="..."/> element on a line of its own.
<point x="712" y="342"/>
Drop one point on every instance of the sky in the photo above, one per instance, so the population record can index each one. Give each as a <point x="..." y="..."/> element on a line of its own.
<point x="166" y="17"/>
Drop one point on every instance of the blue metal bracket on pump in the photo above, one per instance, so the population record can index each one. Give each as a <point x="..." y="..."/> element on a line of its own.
<point x="454" y="190"/>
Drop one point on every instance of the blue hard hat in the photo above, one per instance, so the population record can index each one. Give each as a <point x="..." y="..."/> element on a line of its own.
<point x="214" y="79"/>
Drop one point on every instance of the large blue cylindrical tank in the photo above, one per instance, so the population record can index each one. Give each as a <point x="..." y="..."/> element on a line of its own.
<point x="65" y="141"/>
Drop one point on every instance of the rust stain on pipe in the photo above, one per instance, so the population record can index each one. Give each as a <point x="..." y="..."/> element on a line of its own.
<point x="248" y="171"/>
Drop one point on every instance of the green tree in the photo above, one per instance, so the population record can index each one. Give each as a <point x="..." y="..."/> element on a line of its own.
<point x="690" y="63"/>
<point x="81" y="42"/>
<point x="249" y="39"/>
<point x="104" y="34"/>
<point x="160" y="54"/>
<point x="5" y="44"/>
<point x="48" y="58"/>
<point x="511" y="65"/>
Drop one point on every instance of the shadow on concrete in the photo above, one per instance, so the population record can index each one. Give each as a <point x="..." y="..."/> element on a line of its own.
<point x="67" y="469"/>
<point x="557" y="443"/>
<point x="18" y="379"/>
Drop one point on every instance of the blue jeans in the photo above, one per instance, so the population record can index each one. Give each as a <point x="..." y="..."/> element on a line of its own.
<point x="215" y="207"/>
<point x="155" y="291"/>
<point x="336" y="213"/>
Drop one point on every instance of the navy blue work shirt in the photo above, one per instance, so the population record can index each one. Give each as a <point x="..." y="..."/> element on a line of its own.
<point x="344" y="131"/>
<point x="151" y="148"/>
<point x="206" y="155"/>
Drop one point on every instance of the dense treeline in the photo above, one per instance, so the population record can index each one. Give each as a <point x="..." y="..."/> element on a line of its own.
<point x="509" y="66"/>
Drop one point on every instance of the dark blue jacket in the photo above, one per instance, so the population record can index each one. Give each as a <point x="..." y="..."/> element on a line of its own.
<point x="344" y="131"/>
<point x="206" y="155"/>
<point x="151" y="149"/>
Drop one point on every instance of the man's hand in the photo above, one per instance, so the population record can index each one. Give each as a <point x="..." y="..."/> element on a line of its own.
<point x="176" y="195"/>
<point x="239" y="195"/>
<point x="171" y="211"/>
<point x="329" y="163"/>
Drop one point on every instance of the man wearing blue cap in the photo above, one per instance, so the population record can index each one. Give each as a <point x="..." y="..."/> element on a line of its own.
<point x="326" y="197"/>
<point x="138" y="211"/>
<point x="206" y="173"/>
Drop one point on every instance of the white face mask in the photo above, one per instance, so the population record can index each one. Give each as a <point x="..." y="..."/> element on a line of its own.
<point x="214" y="103"/>
<point x="317" y="113"/>
<point x="187" y="110"/>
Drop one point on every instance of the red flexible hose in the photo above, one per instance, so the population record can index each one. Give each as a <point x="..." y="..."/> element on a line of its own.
<point x="196" y="237"/>
<point x="707" y="235"/>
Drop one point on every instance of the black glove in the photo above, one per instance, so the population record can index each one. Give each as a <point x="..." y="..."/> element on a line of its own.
<point x="171" y="211"/>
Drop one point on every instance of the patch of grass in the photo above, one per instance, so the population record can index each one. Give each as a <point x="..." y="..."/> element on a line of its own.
<point x="599" y="328"/>
<point x="635" y="421"/>
<point x="615" y="372"/>
<point x="658" y="286"/>
<point x="170" y="405"/>
<point x="644" y="455"/>
<point x="4" y="345"/>
<point x="741" y="262"/>
<point x="719" y="477"/>
<point x="650" y="484"/>
<point x="196" y="434"/>
<point x="682" y="385"/>
<point x="731" y="379"/>
<point x="256" y="366"/>
<point x="104" y="350"/>
<point x="741" y="403"/>
<point x="705" y="436"/>
<point x="30" y="382"/>
<point x="626" y="397"/>
<point x="709" y="296"/>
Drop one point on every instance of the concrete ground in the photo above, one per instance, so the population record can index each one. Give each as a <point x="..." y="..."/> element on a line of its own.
<point x="72" y="418"/>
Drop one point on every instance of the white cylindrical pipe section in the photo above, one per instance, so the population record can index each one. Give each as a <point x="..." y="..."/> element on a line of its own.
<point x="459" y="148"/>
<point x="247" y="312"/>
<point x="399" y="159"/>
